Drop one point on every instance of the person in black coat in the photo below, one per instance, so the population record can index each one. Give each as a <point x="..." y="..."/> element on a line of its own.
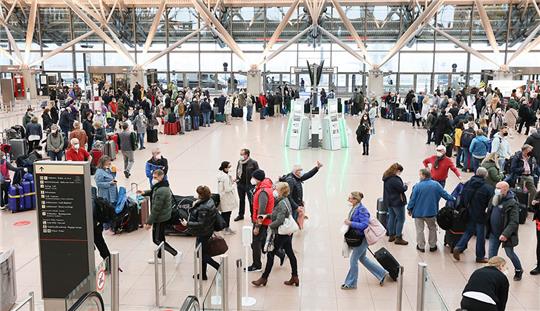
<point x="46" y="118"/>
<point x="394" y="200"/>
<point x="363" y="133"/>
<point x="476" y="196"/>
<point x="206" y="110"/>
<point x="201" y="222"/>
<point x="525" y="174"/>
<point x="99" y="220"/>
<point x="487" y="288"/>
<point x="88" y="127"/>
<point x="526" y="117"/>
<point x="54" y="113"/>
<point x="295" y="180"/>
<point x="442" y="126"/>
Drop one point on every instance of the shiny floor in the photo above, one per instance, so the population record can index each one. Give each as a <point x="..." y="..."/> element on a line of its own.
<point x="194" y="160"/>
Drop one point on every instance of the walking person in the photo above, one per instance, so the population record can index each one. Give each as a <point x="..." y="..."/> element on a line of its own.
<point x="358" y="220"/>
<point x="249" y="107"/>
<point x="227" y="194"/>
<point x="280" y="213"/>
<point x="127" y="143"/>
<point x="140" y="124"/>
<point x="394" y="199"/>
<point x="161" y="207"/>
<point x="363" y="133"/>
<point x="423" y="207"/>
<point x="503" y="223"/>
<point x="372" y="115"/>
<point x="244" y="170"/>
<point x="522" y="168"/>
<point x="439" y="165"/>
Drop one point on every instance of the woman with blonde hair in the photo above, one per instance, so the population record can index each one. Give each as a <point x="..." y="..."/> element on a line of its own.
<point x="487" y="288"/>
<point x="280" y="213"/>
<point x="357" y="222"/>
<point x="491" y="164"/>
<point x="394" y="200"/>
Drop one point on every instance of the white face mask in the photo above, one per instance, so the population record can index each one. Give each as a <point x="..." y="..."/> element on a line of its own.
<point x="154" y="181"/>
<point x="498" y="192"/>
<point x="439" y="154"/>
<point x="76" y="146"/>
<point x="141" y="113"/>
<point x="276" y="194"/>
<point x="253" y="181"/>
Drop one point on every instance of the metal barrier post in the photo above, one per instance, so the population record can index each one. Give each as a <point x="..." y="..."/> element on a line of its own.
<point x="400" y="289"/>
<point x="239" y="284"/>
<point x="161" y="247"/>
<point x="197" y="271"/>
<point x="29" y="300"/>
<point x="115" y="281"/>
<point x="163" y="271"/>
<point x="225" y="287"/>
<point x="421" y="286"/>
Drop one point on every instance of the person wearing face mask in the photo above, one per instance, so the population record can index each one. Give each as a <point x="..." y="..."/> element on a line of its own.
<point x="77" y="153"/>
<point x="487" y="288"/>
<point x="502" y="226"/>
<point x="479" y="149"/>
<point x="394" y="199"/>
<point x="501" y="146"/>
<point x="363" y="133"/>
<point x="439" y="165"/>
<point x="358" y="221"/>
<point x="227" y="194"/>
<point x="295" y="180"/>
<point x="100" y="117"/>
<point x="55" y="144"/>
<point x="88" y="128"/>
<point x="523" y="167"/>
<point x="281" y="211"/>
<point x="157" y="161"/>
<point x="140" y="123"/>
<point x="78" y="133"/>
<point x="244" y="171"/>
<point x="423" y="207"/>
<point x="161" y="208"/>
<point x="106" y="180"/>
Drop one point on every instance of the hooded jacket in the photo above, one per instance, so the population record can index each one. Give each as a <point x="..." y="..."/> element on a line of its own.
<point x="510" y="219"/>
<point x="494" y="173"/>
<point x="477" y="194"/>
<point x="161" y="202"/>
<point x="394" y="192"/>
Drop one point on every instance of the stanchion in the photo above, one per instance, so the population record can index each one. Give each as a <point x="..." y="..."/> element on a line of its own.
<point x="421" y="286"/>
<point x="161" y="247"/>
<point x="400" y="289"/>
<point x="239" y="284"/>
<point x="247" y="239"/>
<point x="115" y="281"/>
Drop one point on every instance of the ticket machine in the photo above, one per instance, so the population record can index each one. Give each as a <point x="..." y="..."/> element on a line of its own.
<point x="331" y="128"/>
<point x="297" y="136"/>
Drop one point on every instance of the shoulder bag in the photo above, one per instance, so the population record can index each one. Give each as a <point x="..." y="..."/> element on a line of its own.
<point x="289" y="226"/>
<point x="374" y="232"/>
<point x="352" y="237"/>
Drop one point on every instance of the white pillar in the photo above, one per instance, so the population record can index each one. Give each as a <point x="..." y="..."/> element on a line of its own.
<point x="29" y="83"/>
<point x="137" y="75"/>
<point x="254" y="81"/>
<point x="503" y="75"/>
<point x="375" y="84"/>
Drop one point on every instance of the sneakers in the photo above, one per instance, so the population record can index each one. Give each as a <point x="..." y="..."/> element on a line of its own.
<point x="127" y="174"/>
<point x="253" y="269"/>
<point x="518" y="275"/>
<point x="151" y="261"/>
<point x="347" y="287"/>
<point x="3" y="208"/>
<point x="238" y="218"/>
<point x="535" y="271"/>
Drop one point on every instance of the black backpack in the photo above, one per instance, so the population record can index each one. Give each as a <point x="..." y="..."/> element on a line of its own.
<point x="104" y="210"/>
<point x="466" y="137"/>
<point x="445" y="217"/>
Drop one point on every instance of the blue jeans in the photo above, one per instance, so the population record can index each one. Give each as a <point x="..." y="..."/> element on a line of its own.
<point x="459" y="156"/>
<point x="141" y="140"/>
<point x="249" y="112"/>
<point x="494" y="244"/>
<point x="372" y="120"/>
<point x="479" y="229"/>
<point x="206" y="118"/>
<point x="56" y="156"/>
<point x="466" y="158"/>
<point x="196" y="121"/>
<point x="396" y="219"/>
<point x="476" y="163"/>
<point x="359" y="254"/>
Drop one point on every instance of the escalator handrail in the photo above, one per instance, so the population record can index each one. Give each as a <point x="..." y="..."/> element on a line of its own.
<point x="85" y="297"/>
<point x="189" y="302"/>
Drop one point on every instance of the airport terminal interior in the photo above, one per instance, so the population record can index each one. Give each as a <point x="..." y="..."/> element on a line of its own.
<point x="158" y="155"/>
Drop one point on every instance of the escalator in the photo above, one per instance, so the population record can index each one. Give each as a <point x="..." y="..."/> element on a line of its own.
<point x="91" y="301"/>
<point x="191" y="304"/>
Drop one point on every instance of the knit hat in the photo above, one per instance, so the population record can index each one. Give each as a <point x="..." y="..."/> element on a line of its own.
<point x="259" y="175"/>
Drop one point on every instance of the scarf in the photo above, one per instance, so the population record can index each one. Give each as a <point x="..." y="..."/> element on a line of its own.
<point x="437" y="160"/>
<point x="239" y="168"/>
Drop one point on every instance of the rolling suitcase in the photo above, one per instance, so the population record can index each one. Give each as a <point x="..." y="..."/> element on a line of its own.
<point x="170" y="128"/>
<point x="14" y="198"/>
<point x="19" y="147"/>
<point x="114" y="138"/>
<point x="109" y="149"/>
<point x="382" y="212"/>
<point x="220" y="117"/>
<point x="188" y="123"/>
<point x="145" y="210"/>
<point x="152" y="135"/>
<point x="387" y="261"/>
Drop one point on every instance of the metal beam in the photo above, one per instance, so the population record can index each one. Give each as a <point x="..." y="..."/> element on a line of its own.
<point x="536" y="7"/>
<point x="112" y="10"/>
<point x="487" y="25"/>
<point x="62" y="48"/>
<point x="524" y="47"/>
<point x="153" y="28"/>
<point x="320" y="8"/>
<point x="11" y="10"/>
<point x="280" y="28"/>
<point x="172" y="47"/>
<point x="350" y="27"/>
<point x="413" y="29"/>
<point x="345" y="46"/>
<point x="12" y="41"/>
<point x="464" y="46"/>
<point x="286" y="45"/>
<point x="212" y="20"/>
<point x="310" y="5"/>
<point x="30" y="31"/>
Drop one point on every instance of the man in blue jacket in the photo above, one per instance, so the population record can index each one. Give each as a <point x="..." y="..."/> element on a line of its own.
<point x="423" y="207"/>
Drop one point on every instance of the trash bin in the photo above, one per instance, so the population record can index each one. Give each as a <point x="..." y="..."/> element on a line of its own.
<point x="8" y="287"/>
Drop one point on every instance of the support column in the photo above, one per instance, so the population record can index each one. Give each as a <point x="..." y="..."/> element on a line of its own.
<point x="29" y="83"/>
<point x="375" y="84"/>
<point x="502" y="75"/>
<point x="137" y="75"/>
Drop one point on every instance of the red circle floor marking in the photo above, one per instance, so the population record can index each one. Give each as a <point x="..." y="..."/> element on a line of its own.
<point x="22" y="223"/>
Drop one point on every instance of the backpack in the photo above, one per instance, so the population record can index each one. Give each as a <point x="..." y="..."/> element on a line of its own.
<point x="445" y="217"/>
<point x="104" y="210"/>
<point x="466" y="137"/>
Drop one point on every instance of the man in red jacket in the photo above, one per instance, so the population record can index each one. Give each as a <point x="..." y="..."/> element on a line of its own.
<point x="439" y="164"/>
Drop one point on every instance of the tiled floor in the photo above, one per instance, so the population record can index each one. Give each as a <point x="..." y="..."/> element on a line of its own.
<point x="194" y="159"/>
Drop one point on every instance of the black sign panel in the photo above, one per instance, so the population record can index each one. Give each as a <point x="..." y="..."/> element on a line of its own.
<point x="63" y="228"/>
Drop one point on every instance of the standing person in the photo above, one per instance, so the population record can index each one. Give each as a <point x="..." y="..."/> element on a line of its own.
<point x="476" y="196"/>
<point x="442" y="126"/>
<point x="249" y="105"/>
<point x="228" y="110"/>
<point x="264" y="103"/>
<point x="439" y="165"/>
<point x="526" y="116"/>
<point x="423" y="207"/>
<point x="5" y="179"/>
<point x="227" y="194"/>
<point x="88" y="128"/>
<point x="106" y="180"/>
<point x="127" y="143"/>
<point x="416" y="109"/>
<point x="206" y="110"/>
<point x="295" y="179"/>
<point x="201" y="224"/>
<point x="487" y="288"/>
<point x="34" y="134"/>
<point x="534" y="141"/>
<point x="55" y="144"/>
<point x="491" y="164"/>
<point x="244" y="171"/>
<point x="394" y="199"/>
<point x="430" y="125"/>
<point x="467" y="137"/>
<point x="536" y="219"/>
<point x="523" y="167"/>
<point x="79" y="134"/>
<point x="503" y="223"/>
<point x="181" y="111"/>
<point x="479" y="148"/>
<point x="46" y="119"/>
<point x="140" y="123"/>
<point x="161" y="207"/>
<point x="501" y="146"/>
<point x="372" y="116"/>
<point x="363" y="133"/>
<point x="280" y="213"/>
<point x="458" y="131"/>
<point x="156" y="162"/>
<point x="358" y="221"/>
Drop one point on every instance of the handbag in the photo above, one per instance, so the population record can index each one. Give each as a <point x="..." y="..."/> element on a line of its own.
<point x="220" y="223"/>
<point x="374" y="231"/>
<point x="353" y="238"/>
<point x="216" y="246"/>
<point x="289" y="226"/>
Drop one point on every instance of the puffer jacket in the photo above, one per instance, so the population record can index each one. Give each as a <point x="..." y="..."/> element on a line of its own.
<point x="161" y="202"/>
<point x="477" y="194"/>
<point x="360" y="218"/>
<point x="494" y="173"/>
<point x="394" y="192"/>
<point x="202" y="218"/>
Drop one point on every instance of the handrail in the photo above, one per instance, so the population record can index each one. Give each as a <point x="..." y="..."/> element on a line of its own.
<point x="85" y="297"/>
<point x="160" y="248"/>
<point x="30" y="300"/>
<point x="190" y="304"/>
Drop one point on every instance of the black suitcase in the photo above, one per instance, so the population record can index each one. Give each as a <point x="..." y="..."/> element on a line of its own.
<point x="152" y="135"/>
<point x="384" y="113"/>
<point x="382" y="213"/>
<point x="237" y="112"/>
<point x="451" y="238"/>
<point x="387" y="261"/>
<point x="523" y="212"/>
<point x="307" y="108"/>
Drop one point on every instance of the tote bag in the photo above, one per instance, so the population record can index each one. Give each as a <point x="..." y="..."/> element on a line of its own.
<point x="289" y="226"/>
<point x="374" y="231"/>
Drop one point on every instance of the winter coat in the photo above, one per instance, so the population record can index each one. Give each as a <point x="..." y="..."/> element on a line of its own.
<point x="424" y="201"/>
<point x="153" y="164"/>
<point x="228" y="106"/>
<point x="205" y="106"/>
<point x="47" y="121"/>
<point x="511" y="118"/>
<point x="55" y="142"/>
<point x="202" y="218"/>
<point x="33" y="129"/>
<point x="394" y="192"/>
<point x="80" y="135"/>
<point x="160" y="202"/>
<point x="360" y="219"/>
<point x="228" y="194"/>
<point x="251" y="166"/>
<point x="517" y="165"/>
<point x="476" y="196"/>
<point x="100" y="134"/>
<point x="534" y="141"/>
<point x="441" y="172"/>
<point x="106" y="189"/>
<point x="501" y="146"/>
<point x="494" y="173"/>
<point x="140" y="124"/>
<point x="479" y="146"/>
<point x="510" y="215"/>
<point x="296" y="195"/>
<point x="281" y="211"/>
